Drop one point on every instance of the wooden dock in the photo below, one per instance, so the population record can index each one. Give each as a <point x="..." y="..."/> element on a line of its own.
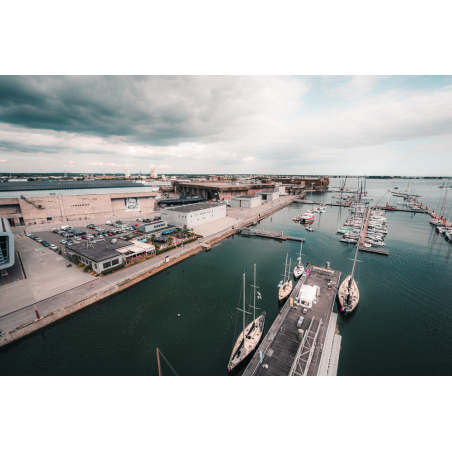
<point x="317" y="353"/>
<point x="346" y="203"/>
<point x="363" y="237"/>
<point x="269" y="234"/>
<point x="430" y="212"/>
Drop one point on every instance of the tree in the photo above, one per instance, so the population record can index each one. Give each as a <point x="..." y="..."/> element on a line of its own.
<point x="157" y="247"/>
<point x="74" y="258"/>
<point x="170" y="241"/>
<point x="152" y="237"/>
<point x="59" y="250"/>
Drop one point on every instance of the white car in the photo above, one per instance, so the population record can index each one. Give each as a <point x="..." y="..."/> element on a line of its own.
<point x="63" y="242"/>
<point x="140" y="219"/>
<point x="39" y="240"/>
<point x="89" y="236"/>
<point x="66" y="227"/>
<point x="108" y="222"/>
<point x="53" y="247"/>
<point x="78" y="239"/>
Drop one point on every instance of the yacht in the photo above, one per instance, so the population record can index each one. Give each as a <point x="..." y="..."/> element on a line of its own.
<point x="251" y="335"/>
<point x="285" y="286"/>
<point x="299" y="268"/>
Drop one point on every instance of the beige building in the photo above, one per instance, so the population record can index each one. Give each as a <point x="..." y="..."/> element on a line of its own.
<point x="64" y="203"/>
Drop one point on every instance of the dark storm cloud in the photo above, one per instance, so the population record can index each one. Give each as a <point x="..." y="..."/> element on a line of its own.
<point x="156" y="109"/>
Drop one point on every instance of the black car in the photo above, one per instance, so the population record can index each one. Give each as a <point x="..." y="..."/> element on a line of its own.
<point x="56" y="231"/>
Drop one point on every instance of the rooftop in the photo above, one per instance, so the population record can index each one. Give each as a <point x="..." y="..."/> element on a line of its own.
<point x="195" y="207"/>
<point x="65" y="185"/>
<point x="99" y="251"/>
<point x="246" y="196"/>
<point x="225" y="184"/>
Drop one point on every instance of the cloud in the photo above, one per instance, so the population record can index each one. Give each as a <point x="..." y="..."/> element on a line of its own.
<point x="284" y="124"/>
<point x="4" y="160"/>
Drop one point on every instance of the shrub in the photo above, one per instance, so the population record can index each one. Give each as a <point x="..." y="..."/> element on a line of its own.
<point x="87" y="268"/>
<point x="59" y="251"/>
<point x="74" y="258"/>
<point x="80" y="265"/>
<point x="112" y="269"/>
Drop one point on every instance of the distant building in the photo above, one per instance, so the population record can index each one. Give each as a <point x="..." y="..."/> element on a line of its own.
<point x="127" y="173"/>
<point x="219" y="191"/>
<point x="248" y="201"/>
<point x="153" y="173"/>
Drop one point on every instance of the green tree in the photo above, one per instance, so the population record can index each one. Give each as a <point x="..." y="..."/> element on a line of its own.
<point x="170" y="241"/>
<point x="74" y="258"/>
<point x="152" y="237"/>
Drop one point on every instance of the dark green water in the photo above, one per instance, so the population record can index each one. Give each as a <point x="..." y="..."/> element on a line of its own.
<point x="403" y="325"/>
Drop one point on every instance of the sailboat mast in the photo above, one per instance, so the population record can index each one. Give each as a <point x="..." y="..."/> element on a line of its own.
<point x="243" y="308"/>
<point x="254" y="304"/>
<point x="445" y="202"/>
<point x="158" y="360"/>
<point x="285" y="267"/>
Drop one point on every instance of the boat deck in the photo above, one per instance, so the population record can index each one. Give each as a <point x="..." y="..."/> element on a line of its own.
<point x="281" y="345"/>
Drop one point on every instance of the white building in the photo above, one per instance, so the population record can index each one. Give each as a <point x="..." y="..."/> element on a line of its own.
<point x="153" y="173"/>
<point x="193" y="215"/>
<point x="268" y="195"/>
<point x="7" y="258"/>
<point x="127" y="173"/>
<point x="248" y="201"/>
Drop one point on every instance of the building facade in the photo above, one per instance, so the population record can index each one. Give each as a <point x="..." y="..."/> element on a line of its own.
<point x="36" y="203"/>
<point x="7" y="255"/>
<point x="247" y="201"/>
<point x="193" y="215"/>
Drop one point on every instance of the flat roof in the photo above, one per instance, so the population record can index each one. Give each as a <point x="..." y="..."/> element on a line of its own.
<point x="67" y="185"/>
<point x="224" y="184"/>
<point x="100" y="251"/>
<point x="194" y="207"/>
<point x="245" y="196"/>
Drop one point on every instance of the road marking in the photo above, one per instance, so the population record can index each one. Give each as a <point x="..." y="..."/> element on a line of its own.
<point x="39" y="249"/>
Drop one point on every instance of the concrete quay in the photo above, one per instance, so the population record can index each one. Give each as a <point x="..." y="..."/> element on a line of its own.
<point x="64" y="297"/>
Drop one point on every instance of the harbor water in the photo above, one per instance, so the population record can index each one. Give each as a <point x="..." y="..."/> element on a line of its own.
<point x="402" y="326"/>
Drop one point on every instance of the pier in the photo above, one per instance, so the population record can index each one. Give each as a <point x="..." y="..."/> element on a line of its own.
<point x="430" y="212"/>
<point x="269" y="235"/>
<point x="307" y="349"/>
<point x="363" y="237"/>
<point x="346" y="203"/>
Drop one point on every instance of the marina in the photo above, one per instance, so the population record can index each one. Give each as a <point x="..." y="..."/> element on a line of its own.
<point x="136" y="322"/>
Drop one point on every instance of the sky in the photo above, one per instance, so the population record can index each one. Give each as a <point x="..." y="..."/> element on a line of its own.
<point x="374" y="125"/>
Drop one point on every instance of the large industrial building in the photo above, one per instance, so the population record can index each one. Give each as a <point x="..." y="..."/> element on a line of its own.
<point x="25" y="203"/>
<point x="193" y="215"/>
<point x="219" y="191"/>
<point x="247" y="201"/>
<point x="6" y="245"/>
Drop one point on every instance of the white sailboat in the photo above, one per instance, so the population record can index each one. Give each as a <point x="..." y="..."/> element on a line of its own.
<point x="299" y="268"/>
<point x="286" y="284"/>
<point x="348" y="293"/>
<point x="251" y="335"/>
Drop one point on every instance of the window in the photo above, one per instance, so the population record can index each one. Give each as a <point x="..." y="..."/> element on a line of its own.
<point x="107" y="264"/>
<point x="115" y="262"/>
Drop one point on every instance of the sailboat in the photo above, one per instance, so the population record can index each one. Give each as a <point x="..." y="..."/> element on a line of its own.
<point x="348" y="293"/>
<point x="286" y="284"/>
<point x="298" y="269"/>
<point x="251" y="335"/>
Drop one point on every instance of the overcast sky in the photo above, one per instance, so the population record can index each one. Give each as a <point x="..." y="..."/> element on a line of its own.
<point x="251" y="124"/>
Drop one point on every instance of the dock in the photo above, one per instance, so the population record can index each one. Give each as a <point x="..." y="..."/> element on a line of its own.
<point x="269" y="235"/>
<point x="430" y="212"/>
<point x="346" y="203"/>
<point x="363" y="237"/>
<point x="307" y="350"/>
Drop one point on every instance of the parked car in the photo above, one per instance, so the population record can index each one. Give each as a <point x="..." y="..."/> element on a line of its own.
<point x="90" y="226"/>
<point x="28" y="235"/>
<point x="134" y="227"/>
<point x="66" y="227"/>
<point x="38" y="239"/>
<point x="78" y="239"/>
<point x="61" y="232"/>
<point x="69" y="234"/>
<point x="90" y="236"/>
<point x="108" y="222"/>
<point x="55" y="229"/>
<point x="140" y="219"/>
<point x="84" y="237"/>
<point x="99" y="239"/>
<point x="114" y="240"/>
<point x="53" y="247"/>
<point x="111" y="234"/>
<point x="63" y="242"/>
<point x="45" y="243"/>
<point x="70" y="242"/>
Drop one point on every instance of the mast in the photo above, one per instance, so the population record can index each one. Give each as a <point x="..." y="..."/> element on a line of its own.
<point x="285" y="268"/>
<point x="444" y="209"/>
<point x="288" y="273"/>
<point x="243" y="308"/>
<point x="158" y="360"/>
<point x="254" y="304"/>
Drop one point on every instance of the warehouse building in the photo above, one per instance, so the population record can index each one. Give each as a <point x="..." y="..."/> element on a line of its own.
<point x="63" y="201"/>
<point x="219" y="191"/>
<point x="6" y="245"/>
<point x="248" y="201"/>
<point x="193" y="215"/>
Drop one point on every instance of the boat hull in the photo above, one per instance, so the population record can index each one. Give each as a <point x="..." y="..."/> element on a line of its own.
<point x="343" y="294"/>
<point x="298" y="271"/>
<point x="253" y="335"/>
<point x="285" y="290"/>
